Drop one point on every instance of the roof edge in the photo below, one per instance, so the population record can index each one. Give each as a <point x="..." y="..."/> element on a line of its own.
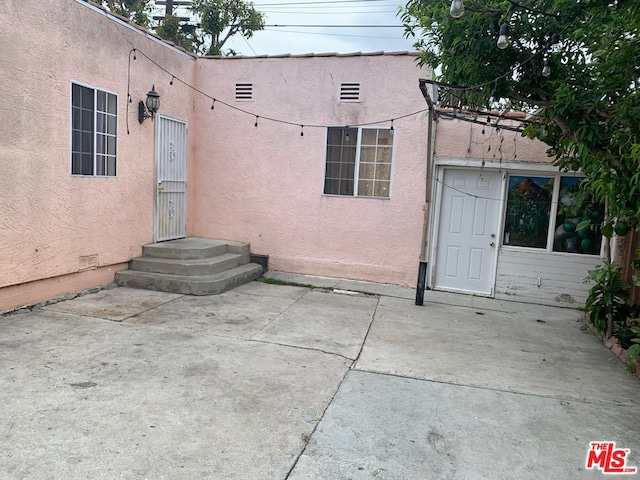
<point x="312" y="55"/>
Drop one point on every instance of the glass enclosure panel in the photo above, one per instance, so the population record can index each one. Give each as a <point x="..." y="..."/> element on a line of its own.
<point x="575" y="206"/>
<point x="528" y="211"/>
<point x="381" y="189"/>
<point x="346" y="187"/>
<point x="102" y="101"/>
<point x="365" y="188"/>
<point x="384" y="155"/>
<point x="111" y="145"/>
<point x="347" y="171"/>
<point x="385" y="137"/>
<point x="367" y="170"/>
<point x="331" y="186"/>
<point x="369" y="136"/>
<point x="112" y="103"/>
<point x="111" y="166"/>
<point x="383" y="171"/>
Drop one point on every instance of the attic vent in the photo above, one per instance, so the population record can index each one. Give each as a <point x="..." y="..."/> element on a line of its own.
<point x="244" y="91"/>
<point x="350" y="92"/>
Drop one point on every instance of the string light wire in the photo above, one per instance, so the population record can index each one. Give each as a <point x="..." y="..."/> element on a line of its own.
<point x="247" y="112"/>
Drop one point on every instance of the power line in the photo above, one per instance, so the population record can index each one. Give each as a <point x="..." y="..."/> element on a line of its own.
<point x="327" y="13"/>
<point x="334" y="26"/>
<point x="335" y="34"/>
<point x="315" y="3"/>
<point x="174" y="78"/>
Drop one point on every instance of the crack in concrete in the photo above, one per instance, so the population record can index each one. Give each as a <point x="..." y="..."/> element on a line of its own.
<point x="503" y="390"/>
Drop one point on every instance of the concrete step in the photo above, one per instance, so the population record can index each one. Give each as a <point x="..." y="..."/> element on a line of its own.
<point x="203" y="266"/>
<point x="194" y="248"/>
<point x="190" y="284"/>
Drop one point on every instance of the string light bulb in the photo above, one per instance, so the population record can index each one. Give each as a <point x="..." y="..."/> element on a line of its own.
<point x="546" y="69"/>
<point x="171" y="82"/>
<point x="555" y="43"/>
<point x="457" y="8"/>
<point x="503" y="39"/>
<point x="391" y="129"/>
<point x="135" y="59"/>
<point x="256" y="124"/>
<point x="213" y="104"/>
<point x="302" y="130"/>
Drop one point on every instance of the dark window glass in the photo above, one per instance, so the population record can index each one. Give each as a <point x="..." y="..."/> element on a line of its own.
<point x="528" y="211"/>
<point x="578" y="220"/>
<point x="89" y="106"/>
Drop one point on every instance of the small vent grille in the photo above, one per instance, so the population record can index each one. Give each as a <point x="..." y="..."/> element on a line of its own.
<point x="244" y="91"/>
<point x="88" y="262"/>
<point x="350" y="92"/>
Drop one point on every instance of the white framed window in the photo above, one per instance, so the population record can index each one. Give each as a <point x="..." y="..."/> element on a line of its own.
<point x="550" y="212"/>
<point x="94" y="131"/>
<point x="358" y="162"/>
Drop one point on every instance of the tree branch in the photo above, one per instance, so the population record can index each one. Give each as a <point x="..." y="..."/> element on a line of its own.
<point x="531" y="101"/>
<point x="233" y="29"/>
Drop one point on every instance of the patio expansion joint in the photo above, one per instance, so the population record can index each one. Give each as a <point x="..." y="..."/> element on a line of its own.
<point x="315" y="427"/>
<point x="122" y="320"/>
<point x="559" y="397"/>
<point x="277" y="317"/>
<point x="373" y="317"/>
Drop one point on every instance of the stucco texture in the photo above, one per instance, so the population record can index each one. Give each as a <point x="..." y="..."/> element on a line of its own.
<point x="264" y="184"/>
<point x="50" y="219"/>
<point x="464" y="140"/>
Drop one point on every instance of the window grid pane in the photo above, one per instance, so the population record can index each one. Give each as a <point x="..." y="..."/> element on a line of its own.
<point x="375" y="163"/>
<point x="93" y="131"/>
<point x="340" y="161"/>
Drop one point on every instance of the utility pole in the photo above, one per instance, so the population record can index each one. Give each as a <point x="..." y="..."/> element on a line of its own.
<point x="169" y="8"/>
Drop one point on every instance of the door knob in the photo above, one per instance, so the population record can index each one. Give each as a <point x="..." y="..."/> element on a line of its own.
<point x="492" y="244"/>
<point x="160" y="186"/>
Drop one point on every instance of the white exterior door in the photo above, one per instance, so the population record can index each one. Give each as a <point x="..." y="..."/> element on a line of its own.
<point x="171" y="179"/>
<point x="467" y="233"/>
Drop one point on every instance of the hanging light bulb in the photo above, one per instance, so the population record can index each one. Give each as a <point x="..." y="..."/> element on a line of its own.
<point x="555" y="43"/>
<point x="457" y="9"/>
<point x="493" y="98"/>
<point x="503" y="39"/>
<point x="546" y="69"/>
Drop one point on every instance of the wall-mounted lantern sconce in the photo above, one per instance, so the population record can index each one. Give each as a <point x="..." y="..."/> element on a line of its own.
<point x="152" y="105"/>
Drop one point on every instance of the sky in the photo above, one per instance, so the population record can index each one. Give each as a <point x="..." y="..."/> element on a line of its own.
<point x="353" y="36"/>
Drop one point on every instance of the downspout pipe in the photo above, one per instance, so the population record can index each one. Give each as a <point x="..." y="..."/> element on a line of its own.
<point x="424" y="246"/>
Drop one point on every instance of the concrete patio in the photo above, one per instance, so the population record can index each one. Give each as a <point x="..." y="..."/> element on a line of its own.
<point x="276" y="382"/>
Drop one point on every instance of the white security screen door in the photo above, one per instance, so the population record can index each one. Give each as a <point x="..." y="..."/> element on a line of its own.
<point x="171" y="179"/>
<point x="467" y="231"/>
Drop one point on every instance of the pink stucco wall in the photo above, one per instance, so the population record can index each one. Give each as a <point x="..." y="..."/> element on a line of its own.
<point x="48" y="218"/>
<point x="459" y="139"/>
<point x="259" y="184"/>
<point x="264" y="184"/>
